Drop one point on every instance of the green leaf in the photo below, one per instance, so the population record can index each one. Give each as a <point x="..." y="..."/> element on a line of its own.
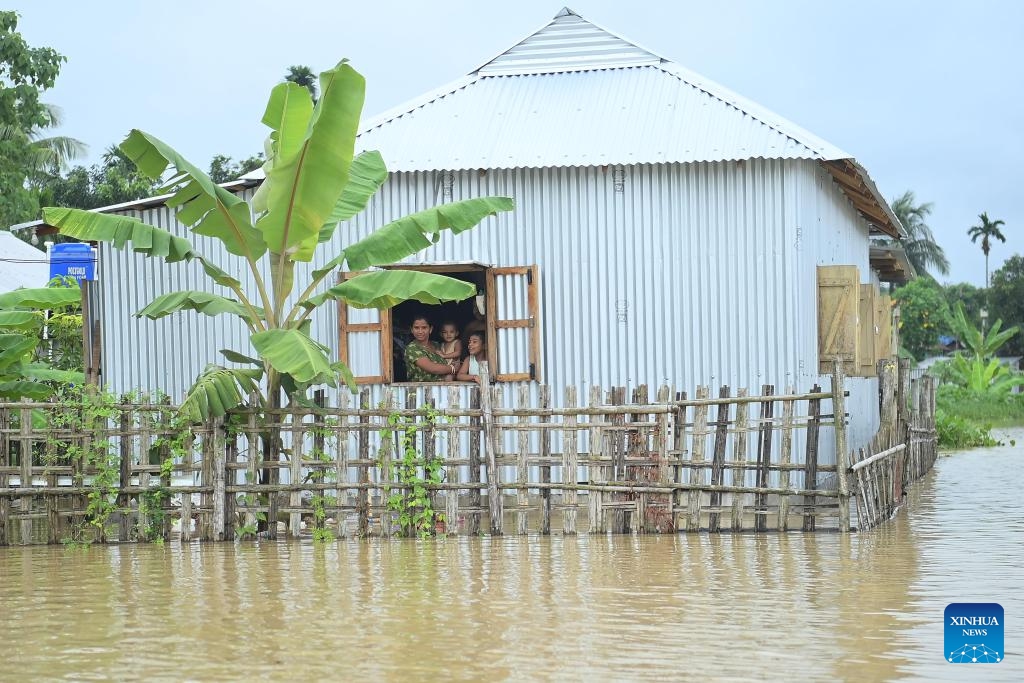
<point x="20" y="320"/>
<point x="119" y="231"/>
<point x="408" y="235"/>
<point x="293" y="353"/>
<point x="44" y="373"/>
<point x="14" y="348"/>
<point x="204" y="206"/>
<point x="236" y="357"/>
<point x="41" y="298"/>
<point x="19" y="389"/>
<point x="193" y="300"/>
<point x="216" y="391"/>
<point x="304" y="185"/>
<point x="367" y="175"/>
<point x="218" y="275"/>
<point x="346" y="375"/>
<point x="387" y="288"/>
<point x="329" y="266"/>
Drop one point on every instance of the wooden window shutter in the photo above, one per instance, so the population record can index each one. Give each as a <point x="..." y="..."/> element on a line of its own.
<point x="838" y="307"/>
<point x="868" y="342"/>
<point x="513" y="323"/>
<point x="883" y="321"/>
<point x="364" y="336"/>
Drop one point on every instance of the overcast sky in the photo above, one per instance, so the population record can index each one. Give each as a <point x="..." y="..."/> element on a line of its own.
<point x="927" y="95"/>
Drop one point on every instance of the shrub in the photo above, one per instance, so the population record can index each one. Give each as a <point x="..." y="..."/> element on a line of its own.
<point x="957" y="432"/>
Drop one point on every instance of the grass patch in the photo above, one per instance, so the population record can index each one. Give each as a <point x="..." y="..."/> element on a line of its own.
<point x="964" y="419"/>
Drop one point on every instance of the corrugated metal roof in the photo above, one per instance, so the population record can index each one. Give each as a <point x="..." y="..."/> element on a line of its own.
<point x="575" y="94"/>
<point x="21" y="264"/>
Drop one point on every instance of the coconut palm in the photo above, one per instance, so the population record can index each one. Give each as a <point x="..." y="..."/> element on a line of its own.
<point x="47" y="156"/>
<point x="302" y="75"/>
<point x="922" y="250"/>
<point x="987" y="231"/>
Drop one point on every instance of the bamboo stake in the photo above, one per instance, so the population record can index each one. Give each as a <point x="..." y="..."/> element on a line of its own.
<point x="739" y="455"/>
<point x="124" y="476"/>
<point x="25" y="455"/>
<point x="679" y="448"/>
<point x="363" y="497"/>
<point x="475" y="437"/>
<point x="544" y="396"/>
<point x="594" y="468"/>
<point x="341" y="474"/>
<point x="570" y="474"/>
<point x="452" y="471"/>
<point x="785" y="457"/>
<point x="295" y="474"/>
<point x="700" y="432"/>
<point x="842" y="456"/>
<point x="718" y="460"/>
<point x="523" y="469"/>
<point x="811" y="460"/>
<point x="487" y="400"/>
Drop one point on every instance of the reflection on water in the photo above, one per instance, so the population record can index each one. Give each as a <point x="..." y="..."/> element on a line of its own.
<point x="804" y="606"/>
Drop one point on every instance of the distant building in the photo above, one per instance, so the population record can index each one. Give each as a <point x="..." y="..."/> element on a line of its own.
<point x="21" y="264"/>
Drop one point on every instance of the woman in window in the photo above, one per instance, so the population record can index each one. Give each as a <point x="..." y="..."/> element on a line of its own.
<point x="470" y="370"/>
<point x="423" y="361"/>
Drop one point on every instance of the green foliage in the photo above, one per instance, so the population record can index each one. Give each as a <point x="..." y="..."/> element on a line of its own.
<point x="924" y="315"/>
<point x="922" y="250"/>
<point x="999" y="410"/>
<point x="415" y="473"/>
<point x="223" y="169"/>
<point x="978" y="370"/>
<point x="312" y="181"/>
<point x="957" y="432"/>
<point x="1006" y="299"/>
<point x="112" y="181"/>
<point x="988" y="230"/>
<point x="25" y="73"/>
<point x="32" y="366"/>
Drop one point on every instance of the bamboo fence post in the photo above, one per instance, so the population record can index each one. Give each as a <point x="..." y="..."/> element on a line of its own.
<point x="637" y="448"/>
<point x="386" y="457"/>
<point x="208" y="476"/>
<point x="617" y="440"/>
<point x="145" y="458"/>
<point x="295" y="474"/>
<point x="187" y="464"/>
<point x="785" y="458"/>
<point x="595" y="470"/>
<point x="429" y="451"/>
<point x="475" y="437"/>
<point x="570" y="474"/>
<point x="217" y="514"/>
<point x="842" y="456"/>
<point x="319" y="472"/>
<point x="739" y="456"/>
<point x="523" y="468"/>
<point x="125" y="471"/>
<point x="25" y="455"/>
<point x="363" y="438"/>
<point x="664" y="465"/>
<point x="764" y="457"/>
<point x="255" y="443"/>
<point x="228" y="477"/>
<point x="5" y="461"/>
<point x="544" y="399"/>
<point x="811" y="459"/>
<point x="487" y="396"/>
<point x="697" y="460"/>
<point x="452" y="470"/>
<point x="718" y="461"/>
<point x="163" y="454"/>
<point x="679" y="449"/>
<point x="341" y="464"/>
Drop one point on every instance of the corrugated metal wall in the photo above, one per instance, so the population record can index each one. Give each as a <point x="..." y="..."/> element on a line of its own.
<point x="683" y="274"/>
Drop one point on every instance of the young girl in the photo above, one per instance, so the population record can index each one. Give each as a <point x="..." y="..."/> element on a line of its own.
<point x="451" y="347"/>
<point x="470" y="370"/>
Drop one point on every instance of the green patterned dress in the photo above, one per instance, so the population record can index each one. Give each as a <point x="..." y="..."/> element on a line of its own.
<point x="413" y="352"/>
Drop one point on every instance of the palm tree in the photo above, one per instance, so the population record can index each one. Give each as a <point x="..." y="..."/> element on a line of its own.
<point x="987" y="231"/>
<point x="304" y="76"/>
<point x="47" y="156"/>
<point x="922" y="250"/>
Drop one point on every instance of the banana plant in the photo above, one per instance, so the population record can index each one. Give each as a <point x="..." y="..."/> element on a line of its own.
<point x="979" y="371"/>
<point x="313" y="182"/>
<point x="22" y="317"/>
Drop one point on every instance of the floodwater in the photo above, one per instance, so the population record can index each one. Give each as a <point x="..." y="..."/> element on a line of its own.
<point x="822" y="607"/>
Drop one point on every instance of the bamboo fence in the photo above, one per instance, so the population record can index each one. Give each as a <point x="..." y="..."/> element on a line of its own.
<point x="606" y="462"/>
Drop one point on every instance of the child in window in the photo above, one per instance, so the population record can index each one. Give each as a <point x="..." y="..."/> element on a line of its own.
<point x="451" y="346"/>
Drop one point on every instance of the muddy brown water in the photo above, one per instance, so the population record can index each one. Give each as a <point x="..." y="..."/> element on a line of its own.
<point x="864" y="607"/>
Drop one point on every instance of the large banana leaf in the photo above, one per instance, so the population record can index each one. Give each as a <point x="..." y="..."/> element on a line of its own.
<point x="366" y="176"/>
<point x="204" y="206"/>
<point x="44" y="373"/>
<point x="193" y="300"/>
<point x="236" y="357"/>
<point x="41" y="298"/>
<point x="18" y="389"/>
<point x="20" y="320"/>
<point x="14" y="348"/>
<point x="408" y="235"/>
<point x="119" y="231"/>
<point x="387" y="288"/>
<point x="304" y="187"/>
<point x="293" y="353"/>
<point x="216" y="391"/>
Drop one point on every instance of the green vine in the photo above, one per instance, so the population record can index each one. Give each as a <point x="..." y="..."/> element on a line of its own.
<point x="171" y="445"/>
<point x="319" y="474"/>
<point x="412" y="501"/>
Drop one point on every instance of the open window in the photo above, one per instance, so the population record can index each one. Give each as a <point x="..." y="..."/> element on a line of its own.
<point x="506" y="308"/>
